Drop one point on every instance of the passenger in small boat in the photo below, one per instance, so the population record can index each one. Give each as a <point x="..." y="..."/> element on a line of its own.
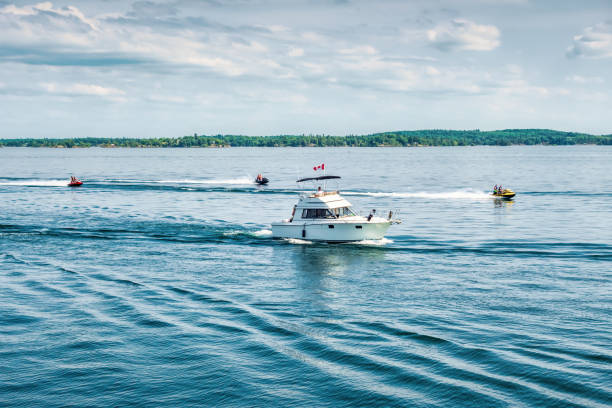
<point x="372" y="213"/>
<point x="495" y="189"/>
<point x="319" y="192"/>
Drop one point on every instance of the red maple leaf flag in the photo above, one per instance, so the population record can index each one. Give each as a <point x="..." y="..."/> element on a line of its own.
<point x="319" y="167"/>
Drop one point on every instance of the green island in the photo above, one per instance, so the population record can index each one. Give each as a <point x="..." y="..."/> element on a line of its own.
<point x="402" y="138"/>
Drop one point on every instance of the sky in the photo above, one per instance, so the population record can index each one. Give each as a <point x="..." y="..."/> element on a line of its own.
<point x="112" y="68"/>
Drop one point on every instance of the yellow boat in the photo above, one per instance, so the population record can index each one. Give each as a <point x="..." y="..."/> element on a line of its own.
<point x="506" y="194"/>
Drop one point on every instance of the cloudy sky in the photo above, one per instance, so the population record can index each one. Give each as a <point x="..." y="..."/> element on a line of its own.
<point x="262" y="67"/>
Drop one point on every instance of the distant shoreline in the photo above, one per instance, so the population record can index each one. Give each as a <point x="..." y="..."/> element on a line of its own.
<point x="413" y="138"/>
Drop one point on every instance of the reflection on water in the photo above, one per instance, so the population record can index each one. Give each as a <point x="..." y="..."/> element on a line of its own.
<point x="333" y="259"/>
<point x="500" y="202"/>
<point x="319" y="269"/>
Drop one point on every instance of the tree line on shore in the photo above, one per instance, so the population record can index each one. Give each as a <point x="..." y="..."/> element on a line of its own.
<point x="399" y="138"/>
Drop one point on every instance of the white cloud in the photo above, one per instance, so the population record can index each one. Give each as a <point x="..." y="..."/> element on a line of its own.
<point x="66" y="31"/>
<point x="514" y="69"/>
<point x="432" y="71"/>
<point x="579" y="79"/>
<point x="522" y="87"/>
<point x="594" y="42"/>
<point x="82" y="89"/>
<point x="360" y="50"/>
<point x="26" y="10"/>
<point x="277" y="28"/>
<point x="460" y="34"/>
<point x="296" y="52"/>
<point x="313" y="37"/>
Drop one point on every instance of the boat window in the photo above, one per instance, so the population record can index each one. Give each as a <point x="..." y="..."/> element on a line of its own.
<point x="343" y="212"/>
<point x="317" y="213"/>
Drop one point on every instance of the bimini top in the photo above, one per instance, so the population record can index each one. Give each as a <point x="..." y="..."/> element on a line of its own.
<point x="318" y="178"/>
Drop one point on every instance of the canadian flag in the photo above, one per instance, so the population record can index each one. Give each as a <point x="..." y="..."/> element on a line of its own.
<point x="319" y="167"/>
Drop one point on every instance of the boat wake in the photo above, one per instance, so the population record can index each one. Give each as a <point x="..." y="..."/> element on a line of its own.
<point x="223" y="233"/>
<point x="232" y="181"/>
<point x="297" y="241"/>
<point x="467" y="194"/>
<point x="264" y="233"/>
<point x="34" y="182"/>
<point x="367" y="242"/>
<point x="372" y="242"/>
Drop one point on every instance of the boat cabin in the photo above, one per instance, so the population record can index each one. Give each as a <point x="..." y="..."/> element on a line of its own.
<point x="322" y="205"/>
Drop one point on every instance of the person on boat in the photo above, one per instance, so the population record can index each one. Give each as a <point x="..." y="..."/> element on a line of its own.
<point x="495" y="189"/>
<point x="258" y="177"/>
<point x="319" y="192"/>
<point x="371" y="215"/>
<point x="500" y="190"/>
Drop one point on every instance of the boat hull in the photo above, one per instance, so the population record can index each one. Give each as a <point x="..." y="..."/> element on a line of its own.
<point x="506" y="196"/>
<point x="331" y="232"/>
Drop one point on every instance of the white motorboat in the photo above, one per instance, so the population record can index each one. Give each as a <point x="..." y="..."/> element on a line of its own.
<point x="327" y="216"/>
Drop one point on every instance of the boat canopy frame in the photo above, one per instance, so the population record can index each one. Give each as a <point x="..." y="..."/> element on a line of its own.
<point x="317" y="178"/>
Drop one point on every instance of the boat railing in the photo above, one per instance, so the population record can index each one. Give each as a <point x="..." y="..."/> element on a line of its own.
<point x="323" y="193"/>
<point x="391" y="215"/>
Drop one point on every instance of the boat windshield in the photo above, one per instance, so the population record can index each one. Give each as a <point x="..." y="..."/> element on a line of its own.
<point x="344" y="212"/>
<point x="317" y="213"/>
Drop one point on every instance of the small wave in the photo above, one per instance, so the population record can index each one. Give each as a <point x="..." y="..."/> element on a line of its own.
<point x="372" y="242"/>
<point x="468" y="194"/>
<point x="263" y="233"/>
<point x="297" y="241"/>
<point x="34" y="183"/>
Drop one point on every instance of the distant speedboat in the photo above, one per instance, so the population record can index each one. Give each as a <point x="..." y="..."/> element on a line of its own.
<point x="74" y="182"/>
<point x="505" y="194"/>
<point x="261" y="180"/>
<point x="327" y="216"/>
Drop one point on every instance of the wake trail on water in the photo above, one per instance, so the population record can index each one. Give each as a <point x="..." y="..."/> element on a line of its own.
<point x="34" y="182"/>
<point x="467" y="194"/>
<point x="238" y="181"/>
<point x="224" y="233"/>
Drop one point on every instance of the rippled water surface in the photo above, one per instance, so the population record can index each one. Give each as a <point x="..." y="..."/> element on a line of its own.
<point x="158" y="282"/>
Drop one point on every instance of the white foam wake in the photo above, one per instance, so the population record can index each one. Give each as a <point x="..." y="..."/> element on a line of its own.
<point x="242" y="180"/>
<point x="372" y="242"/>
<point x="35" y="183"/>
<point x="263" y="233"/>
<point x="468" y="194"/>
<point x="297" y="241"/>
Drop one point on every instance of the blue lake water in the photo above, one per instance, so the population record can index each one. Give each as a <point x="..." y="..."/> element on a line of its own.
<point x="158" y="282"/>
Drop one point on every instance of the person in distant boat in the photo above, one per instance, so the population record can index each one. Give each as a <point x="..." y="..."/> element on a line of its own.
<point x="259" y="177"/>
<point x="495" y="189"/>
<point x="319" y="192"/>
<point x="371" y="215"/>
<point x="500" y="190"/>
